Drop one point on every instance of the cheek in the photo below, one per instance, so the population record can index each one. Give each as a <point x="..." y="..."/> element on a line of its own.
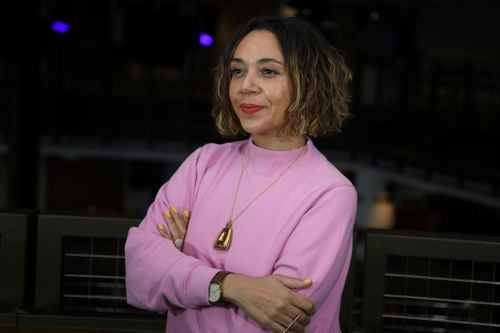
<point x="282" y="97"/>
<point x="232" y="91"/>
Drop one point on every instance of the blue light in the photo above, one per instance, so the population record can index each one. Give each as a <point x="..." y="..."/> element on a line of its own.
<point x="206" y="40"/>
<point x="60" y="27"/>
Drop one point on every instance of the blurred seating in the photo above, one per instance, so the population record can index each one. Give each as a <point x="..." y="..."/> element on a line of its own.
<point x="81" y="276"/>
<point x="437" y="282"/>
<point x="411" y="280"/>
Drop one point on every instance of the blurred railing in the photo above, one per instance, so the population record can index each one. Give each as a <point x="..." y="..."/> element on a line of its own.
<point x="432" y="282"/>
<point x="396" y="279"/>
<point x="80" y="274"/>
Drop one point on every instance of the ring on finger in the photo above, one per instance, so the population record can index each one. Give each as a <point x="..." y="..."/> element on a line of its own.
<point x="178" y="243"/>
<point x="292" y="323"/>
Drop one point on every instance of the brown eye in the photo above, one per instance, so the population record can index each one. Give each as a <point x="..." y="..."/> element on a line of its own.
<point x="267" y="72"/>
<point x="237" y="72"/>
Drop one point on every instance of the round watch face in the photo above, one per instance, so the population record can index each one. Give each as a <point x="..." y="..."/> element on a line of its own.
<point x="214" y="292"/>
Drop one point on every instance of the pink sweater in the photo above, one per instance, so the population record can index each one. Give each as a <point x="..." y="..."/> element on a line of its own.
<point x="301" y="227"/>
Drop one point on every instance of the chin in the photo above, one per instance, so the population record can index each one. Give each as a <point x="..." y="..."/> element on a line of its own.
<point x="249" y="129"/>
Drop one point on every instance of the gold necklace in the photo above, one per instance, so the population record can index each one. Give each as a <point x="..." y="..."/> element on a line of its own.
<point x="223" y="241"/>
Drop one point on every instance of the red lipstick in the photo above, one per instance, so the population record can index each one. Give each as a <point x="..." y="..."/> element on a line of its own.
<point x="250" y="108"/>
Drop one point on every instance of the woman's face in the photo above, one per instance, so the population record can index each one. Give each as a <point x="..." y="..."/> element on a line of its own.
<point x="259" y="90"/>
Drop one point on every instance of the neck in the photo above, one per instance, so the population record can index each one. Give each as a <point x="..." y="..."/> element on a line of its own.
<point x="274" y="143"/>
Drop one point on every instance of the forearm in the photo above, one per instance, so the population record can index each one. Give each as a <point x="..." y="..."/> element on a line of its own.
<point x="271" y="301"/>
<point x="158" y="275"/>
<point x="233" y="285"/>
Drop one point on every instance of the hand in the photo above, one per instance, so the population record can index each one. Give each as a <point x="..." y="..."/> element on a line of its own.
<point x="271" y="300"/>
<point x="177" y="225"/>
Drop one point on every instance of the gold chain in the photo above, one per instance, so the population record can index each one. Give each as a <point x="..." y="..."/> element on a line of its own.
<point x="223" y="241"/>
<point x="243" y="170"/>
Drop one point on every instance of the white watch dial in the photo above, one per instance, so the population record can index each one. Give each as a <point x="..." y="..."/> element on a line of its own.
<point x="214" y="292"/>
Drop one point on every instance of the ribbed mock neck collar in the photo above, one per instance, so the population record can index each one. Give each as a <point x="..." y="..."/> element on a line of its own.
<point x="271" y="161"/>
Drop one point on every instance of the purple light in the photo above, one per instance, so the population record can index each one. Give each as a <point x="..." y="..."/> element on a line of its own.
<point x="205" y="39"/>
<point x="60" y="27"/>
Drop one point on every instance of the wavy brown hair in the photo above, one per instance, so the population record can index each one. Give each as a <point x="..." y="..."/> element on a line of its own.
<point x="318" y="75"/>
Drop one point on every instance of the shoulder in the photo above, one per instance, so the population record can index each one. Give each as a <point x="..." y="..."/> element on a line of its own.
<point x="212" y="153"/>
<point x="221" y="148"/>
<point x="322" y="176"/>
<point x="324" y="170"/>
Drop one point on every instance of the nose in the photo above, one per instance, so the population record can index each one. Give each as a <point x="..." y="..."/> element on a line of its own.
<point x="249" y="84"/>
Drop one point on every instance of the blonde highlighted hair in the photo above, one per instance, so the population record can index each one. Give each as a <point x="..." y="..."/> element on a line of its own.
<point x="318" y="74"/>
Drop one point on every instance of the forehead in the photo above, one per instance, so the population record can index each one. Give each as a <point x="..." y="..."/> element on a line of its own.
<point x="259" y="44"/>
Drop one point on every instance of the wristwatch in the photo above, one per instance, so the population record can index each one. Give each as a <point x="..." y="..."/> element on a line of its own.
<point x="215" y="290"/>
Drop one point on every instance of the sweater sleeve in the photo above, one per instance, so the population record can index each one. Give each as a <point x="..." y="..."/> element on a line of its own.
<point x="320" y="246"/>
<point x="158" y="276"/>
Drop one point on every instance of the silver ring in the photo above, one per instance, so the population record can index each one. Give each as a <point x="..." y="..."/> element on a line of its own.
<point x="291" y="324"/>
<point x="178" y="243"/>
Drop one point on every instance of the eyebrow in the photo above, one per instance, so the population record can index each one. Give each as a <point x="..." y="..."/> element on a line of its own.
<point x="260" y="61"/>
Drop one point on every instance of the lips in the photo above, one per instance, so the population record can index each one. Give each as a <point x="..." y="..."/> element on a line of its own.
<point x="250" y="108"/>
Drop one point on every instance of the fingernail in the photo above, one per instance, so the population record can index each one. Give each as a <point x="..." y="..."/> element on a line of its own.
<point x="174" y="209"/>
<point x="308" y="281"/>
<point x="167" y="214"/>
<point x="186" y="213"/>
<point x="161" y="229"/>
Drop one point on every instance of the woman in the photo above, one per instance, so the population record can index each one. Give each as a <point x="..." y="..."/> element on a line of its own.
<point x="268" y="243"/>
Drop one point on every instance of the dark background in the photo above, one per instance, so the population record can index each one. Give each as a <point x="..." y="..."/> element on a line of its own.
<point x="98" y="118"/>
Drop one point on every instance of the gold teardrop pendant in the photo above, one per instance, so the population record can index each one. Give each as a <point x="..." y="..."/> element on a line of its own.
<point x="223" y="242"/>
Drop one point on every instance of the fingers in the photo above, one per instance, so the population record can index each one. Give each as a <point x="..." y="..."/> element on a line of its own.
<point x="293" y="283"/>
<point x="269" y="302"/>
<point x="174" y="225"/>
<point x="293" y="324"/>
<point x="287" y="323"/>
<point x="304" y="304"/>
<point x="298" y="300"/>
<point x="180" y="219"/>
<point x="296" y="319"/>
<point x="287" y="319"/>
<point x="177" y="225"/>
<point x="303" y="319"/>
<point x="163" y="231"/>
